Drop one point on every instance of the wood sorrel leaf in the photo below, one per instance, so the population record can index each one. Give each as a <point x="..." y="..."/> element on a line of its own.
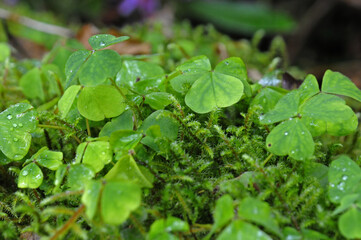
<point x="135" y="71"/>
<point x="123" y="140"/>
<point x="97" y="103"/>
<point x="234" y="66"/>
<point x="162" y="228"/>
<point x="95" y="154"/>
<point x="16" y="124"/>
<point x="158" y="100"/>
<point x="223" y="213"/>
<point x="347" y="202"/>
<point x="50" y="159"/>
<point x="98" y="67"/>
<point x="30" y="176"/>
<point x="118" y="200"/>
<point x="73" y="65"/>
<point x="78" y="176"/>
<point x="242" y="230"/>
<point x="344" y="177"/>
<point x="31" y="84"/>
<point x="66" y="101"/>
<point x="258" y="212"/>
<point x="168" y="127"/>
<point x="337" y="83"/>
<point x="308" y="88"/>
<point x="104" y="40"/>
<point x="291" y="138"/>
<point x="349" y="223"/>
<point x="221" y="88"/>
<point x="327" y="113"/>
<point x="267" y="98"/>
<point x="127" y="170"/>
<point x="286" y="107"/>
<point x="90" y="198"/>
<point x="123" y="122"/>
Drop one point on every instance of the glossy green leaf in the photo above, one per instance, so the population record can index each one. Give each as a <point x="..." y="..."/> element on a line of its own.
<point x="104" y="40"/>
<point x="190" y="70"/>
<point x="234" y="66"/>
<point x="90" y="198"/>
<point x="66" y="101"/>
<point x="344" y="177"/>
<point x="308" y="88"/>
<point x="118" y="200"/>
<point x="78" y="176"/>
<point x="60" y="174"/>
<point x="168" y="127"/>
<point x="52" y="77"/>
<point x="291" y="138"/>
<point x="242" y="230"/>
<point x="135" y="71"/>
<point x="30" y="176"/>
<point x="158" y="100"/>
<point x="95" y="154"/>
<point x="123" y="122"/>
<point x="349" y="223"/>
<point x="258" y="212"/>
<point x="319" y="171"/>
<point x="50" y="159"/>
<point x="286" y="107"/>
<point x="97" y="103"/>
<point x="209" y="90"/>
<point x="161" y="228"/>
<point x="346" y="202"/>
<point x="74" y="64"/>
<point x="100" y="66"/>
<point x="16" y="124"/>
<point x="127" y="170"/>
<point x="124" y="140"/>
<point x="223" y="213"/>
<point x="337" y="83"/>
<point x="267" y="99"/>
<point x="327" y="113"/>
<point x="31" y="84"/>
<point x="305" y="234"/>
<point x="4" y="51"/>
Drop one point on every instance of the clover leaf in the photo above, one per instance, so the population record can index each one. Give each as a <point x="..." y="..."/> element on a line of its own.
<point x="239" y="229"/>
<point x="291" y="138"/>
<point x="66" y="101"/>
<point x="16" y="124"/>
<point x="97" y="103"/>
<point x="337" y="83"/>
<point x="104" y="40"/>
<point x="349" y="223"/>
<point x="209" y="90"/>
<point x="30" y="176"/>
<point x="123" y="122"/>
<point x="95" y="154"/>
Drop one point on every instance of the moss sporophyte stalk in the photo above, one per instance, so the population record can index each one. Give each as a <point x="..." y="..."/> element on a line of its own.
<point x="168" y="147"/>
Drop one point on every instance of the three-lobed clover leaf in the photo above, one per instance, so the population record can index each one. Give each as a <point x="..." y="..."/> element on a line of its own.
<point x="209" y="90"/>
<point x="16" y="124"/>
<point x="316" y="112"/>
<point x="30" y="176"/>
<point x="349" y="223"/>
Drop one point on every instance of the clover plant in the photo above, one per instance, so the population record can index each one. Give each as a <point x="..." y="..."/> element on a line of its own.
<point x="103" y="145"/>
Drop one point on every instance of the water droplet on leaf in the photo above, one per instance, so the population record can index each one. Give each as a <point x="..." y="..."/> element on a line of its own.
<point x="25" y="173"/>
<point x="286" y="133"/>
<point x="9" y="117"/>
<point x="15" y="139"/>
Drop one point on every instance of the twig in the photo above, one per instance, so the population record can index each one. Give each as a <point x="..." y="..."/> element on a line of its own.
<point x="37" y="25"/>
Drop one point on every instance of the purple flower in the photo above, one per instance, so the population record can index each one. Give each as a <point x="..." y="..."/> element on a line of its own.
<point x="147" y="7"/>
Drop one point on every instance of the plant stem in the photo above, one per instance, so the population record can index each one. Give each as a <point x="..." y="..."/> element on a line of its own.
<point x="267" y="159"/>
<point x="88" y="127"/>
<point x="51" y="126"/>
<point x="69" y="223"/>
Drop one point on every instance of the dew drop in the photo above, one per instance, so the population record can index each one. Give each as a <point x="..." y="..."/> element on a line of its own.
<point x="286" y="133"/>
<point x="11" y="129"/>
<point x="9" y="117"/>
<point x="292" y="152"/>
<point x="344" y="178"/>
<point x="15" y="125"/>
<point x="25" y="173"/>
<point x="332" y="185"/>
<point x="341" y="186"/>
<point x="227" y="63"/>
<point x="344" y="169"/>
<point x="20" y="124"/>
<point x="15" y="139"/>
<point x="71" y="71"/>
<point x="102" y="44"/>
<point x="302" y="133"/>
